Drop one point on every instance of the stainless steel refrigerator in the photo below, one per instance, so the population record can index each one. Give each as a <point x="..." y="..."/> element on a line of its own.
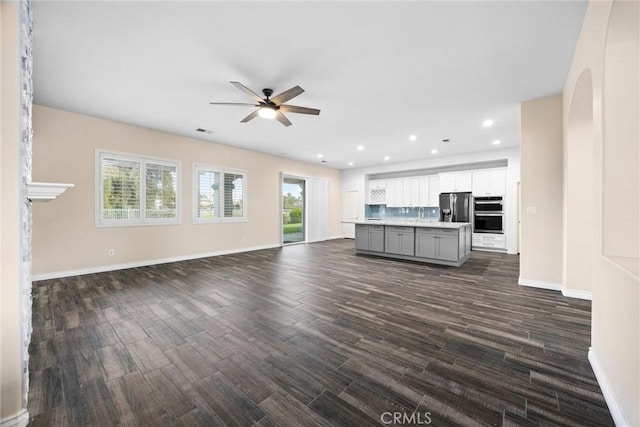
<point x="456" y="207"/>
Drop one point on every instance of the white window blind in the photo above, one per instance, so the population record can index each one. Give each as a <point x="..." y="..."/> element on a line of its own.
<point x="161" y="187"/>
<point x="120" y="190"/>
<point x="136" y="191"/>
<point x="233" y="195"/>
<point x="220" y="194"/>
<point x="208" y="194"/>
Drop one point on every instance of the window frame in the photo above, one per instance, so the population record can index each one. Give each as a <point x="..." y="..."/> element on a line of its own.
<point x="142" y="161"/>
<point x="200" y="167"/>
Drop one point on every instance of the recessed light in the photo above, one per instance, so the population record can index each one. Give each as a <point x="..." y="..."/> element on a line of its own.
<point x="319" y="156"/>
<point x="434" y="151"/>
<point x="487" y="123"/>
<point x="413" y="137"/>
<point x="496" y="142"/>
<point x="360" y="147"/>
<point x="387" y="157"/>
<point x="350" y="163"/>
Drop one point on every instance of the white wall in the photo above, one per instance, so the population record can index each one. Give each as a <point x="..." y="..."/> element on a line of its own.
<point x="355" y="180"/>
<point x="609" y="49"/>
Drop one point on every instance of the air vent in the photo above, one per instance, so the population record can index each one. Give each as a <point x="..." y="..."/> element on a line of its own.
<point x="446" y="141"/>
<point x="204" y="130"/>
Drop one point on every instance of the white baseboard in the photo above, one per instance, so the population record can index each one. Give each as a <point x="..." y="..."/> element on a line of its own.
<point x="20" y="419"/>
<point x="340" y="236"/>
<point x="539" y="284"/>
<point x="609" y="396"/>
<point x="554" y="287"/>
<point x="113" y="267"/>
<point x="576" y="294"/>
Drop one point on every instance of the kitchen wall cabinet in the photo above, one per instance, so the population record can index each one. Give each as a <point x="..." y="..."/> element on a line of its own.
<point x="394" y="193"/>
<point x="399" y="240"/>
<point x="411" y="192"/>
<point x="434" y="191"/>
<point x="403" y="192"/>
<point x="370" y="237"/>
<point x="429" y="193"/>
<point x="377" y="194"/>
<point x="455" y="182"/>
<point x="490" y="183"/>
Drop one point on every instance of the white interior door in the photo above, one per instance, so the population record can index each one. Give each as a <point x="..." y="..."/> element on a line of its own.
<point x="350" y="208"/>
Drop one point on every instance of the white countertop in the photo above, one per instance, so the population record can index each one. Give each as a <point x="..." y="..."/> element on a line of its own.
<point x="414" y="223"/>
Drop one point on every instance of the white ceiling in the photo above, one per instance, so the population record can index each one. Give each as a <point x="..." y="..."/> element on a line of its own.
<point x="379" y="71"/>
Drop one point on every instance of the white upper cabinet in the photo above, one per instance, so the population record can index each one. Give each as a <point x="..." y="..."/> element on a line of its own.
<point x="411" y="192"/>
<point x="429" y="190"/>
<point x="455" y="182"/>
<point x="434" y="191"/>
<point x="423" y="196"/>
<point x="489" y="183"/>
<point x="377" y="192"/>
<point x="395" y="193"/>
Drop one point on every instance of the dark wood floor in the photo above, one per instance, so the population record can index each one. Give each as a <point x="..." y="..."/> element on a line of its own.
<point x="310" y="335"/>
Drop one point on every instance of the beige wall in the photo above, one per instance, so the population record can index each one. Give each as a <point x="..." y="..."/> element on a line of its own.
<point x="541" y="192"/>
<point x="65" y="238"/>
<point x="615" y="336"/>
<point x="10" y="311"/>
<point x="579" y="203"/>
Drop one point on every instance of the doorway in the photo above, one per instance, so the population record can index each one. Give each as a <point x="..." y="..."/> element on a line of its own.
<point x="293" y="210"/>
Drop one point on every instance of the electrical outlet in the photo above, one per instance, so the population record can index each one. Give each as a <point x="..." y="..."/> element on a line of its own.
<point x="532" y="210"/>
<point x="112" y="252"/>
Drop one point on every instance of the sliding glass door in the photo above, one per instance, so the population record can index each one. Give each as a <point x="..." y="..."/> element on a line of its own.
<point x="293" y="209"/>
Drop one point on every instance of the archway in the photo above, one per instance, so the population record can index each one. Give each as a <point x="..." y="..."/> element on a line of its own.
<point x="621" y="178"/>
<point x="579" y="196"/>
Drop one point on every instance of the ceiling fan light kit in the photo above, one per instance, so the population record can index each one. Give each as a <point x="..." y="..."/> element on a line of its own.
<point x="267" y="112"/>
<point x="270" y="108"/>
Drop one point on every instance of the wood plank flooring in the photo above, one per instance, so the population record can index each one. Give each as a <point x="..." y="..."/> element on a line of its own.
<point x="310" y="335"/>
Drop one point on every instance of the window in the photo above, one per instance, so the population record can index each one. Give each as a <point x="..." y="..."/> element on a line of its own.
<point x="136" y="190"/>
<point x="219" y="194"/>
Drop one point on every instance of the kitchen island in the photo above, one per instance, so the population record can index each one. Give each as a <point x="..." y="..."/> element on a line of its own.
<point x="446" y="243"/>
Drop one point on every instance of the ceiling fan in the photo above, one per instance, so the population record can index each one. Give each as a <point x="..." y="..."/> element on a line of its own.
<point x="271" y="108"/>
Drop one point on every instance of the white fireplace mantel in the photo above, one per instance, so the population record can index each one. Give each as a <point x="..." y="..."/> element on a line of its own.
<point x="45" y="191"/>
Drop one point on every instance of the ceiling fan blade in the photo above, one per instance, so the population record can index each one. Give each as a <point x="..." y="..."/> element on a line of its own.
<point x="282" y="119"/>
<point x="250" y="117"/>
<point x="287" y="95"/>
<point x="240" y="104"/>
<point x="300" y="110"/>
<point x="247" y="91"/>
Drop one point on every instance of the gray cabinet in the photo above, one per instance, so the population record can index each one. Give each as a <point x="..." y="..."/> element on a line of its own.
<point x="426" y="244"/>
<point x="440" y="244"/>
<point x="399" y="240"/>
<point x="370" y="237"/>
<point x="447" y="248"/>
<point x="436" y="245"/>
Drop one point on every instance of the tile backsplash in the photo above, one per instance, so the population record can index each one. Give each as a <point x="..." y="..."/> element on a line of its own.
<point x="384" y="212"/>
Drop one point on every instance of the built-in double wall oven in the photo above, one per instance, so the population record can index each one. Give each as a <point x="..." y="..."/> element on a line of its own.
<point x="488" y="215"/>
